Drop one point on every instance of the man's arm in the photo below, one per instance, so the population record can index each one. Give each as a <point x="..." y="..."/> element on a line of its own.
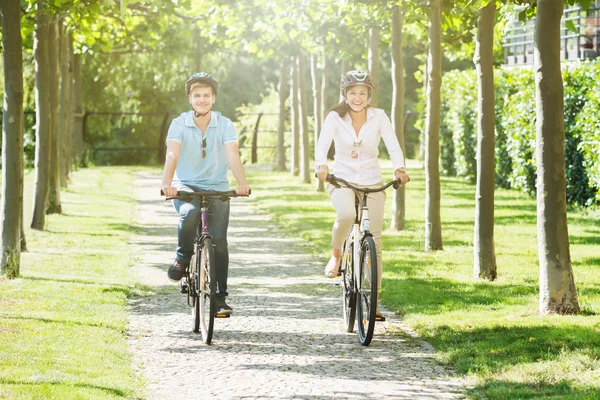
<point x="235" y="163"/>
<point x="171" y="160"/>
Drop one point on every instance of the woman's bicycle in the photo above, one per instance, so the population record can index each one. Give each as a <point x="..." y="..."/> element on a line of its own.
<point x="358" y="267"/>
<point x="200" y="281"/>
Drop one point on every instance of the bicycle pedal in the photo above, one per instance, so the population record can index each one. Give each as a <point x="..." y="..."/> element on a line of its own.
<point x="380" y="318"/>
<point x="184" y="289"/>
<point x="337" y="283"/>
<point x="222" y="315"/>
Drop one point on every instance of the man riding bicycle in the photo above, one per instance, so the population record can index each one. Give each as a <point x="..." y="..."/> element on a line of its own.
<point x="201" y="146"/>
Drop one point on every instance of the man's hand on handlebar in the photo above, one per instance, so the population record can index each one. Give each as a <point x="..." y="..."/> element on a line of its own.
<point x="243" y="190"/>
<point x="169" y="191"/>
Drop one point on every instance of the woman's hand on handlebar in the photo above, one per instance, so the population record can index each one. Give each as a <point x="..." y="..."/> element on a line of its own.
<point x="322" y="172"/>
<point x="402" y="177"/>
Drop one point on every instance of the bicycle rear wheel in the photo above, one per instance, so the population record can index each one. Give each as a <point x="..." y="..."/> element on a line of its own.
<point x="193" y="291"/>
<point x="208" y="288"/>
<point x="367" y="291"/>
<point x="349" y="295"/>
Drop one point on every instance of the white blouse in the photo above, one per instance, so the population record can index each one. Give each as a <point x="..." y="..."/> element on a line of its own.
<point x="363" y="168"/>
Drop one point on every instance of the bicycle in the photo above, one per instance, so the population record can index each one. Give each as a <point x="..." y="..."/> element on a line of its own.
<point x="358" y="265"/>
<point x="199" y="282"/>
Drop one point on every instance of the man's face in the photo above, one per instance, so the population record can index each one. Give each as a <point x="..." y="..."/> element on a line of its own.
<point x="202" y="99"/>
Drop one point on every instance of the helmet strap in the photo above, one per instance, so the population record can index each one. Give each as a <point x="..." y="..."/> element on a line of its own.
<point x="199" y="115"/>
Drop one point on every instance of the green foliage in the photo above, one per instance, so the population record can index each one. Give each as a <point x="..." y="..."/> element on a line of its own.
<point x="515" y="162"/>
<point x="579" y="79"/>
<point x="459" y="92"/>
<point x="585" y="134"/>
<point x="518" y="122"/>
<point x="503" y="162"/>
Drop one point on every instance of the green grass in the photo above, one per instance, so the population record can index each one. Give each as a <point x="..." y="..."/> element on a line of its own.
<point x="489" y="332"/>
<point x="63" y="321"/>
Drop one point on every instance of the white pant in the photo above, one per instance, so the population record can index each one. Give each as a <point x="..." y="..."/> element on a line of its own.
<point x="343" y="203"/>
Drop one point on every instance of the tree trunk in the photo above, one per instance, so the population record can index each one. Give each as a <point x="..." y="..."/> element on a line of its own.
<point x="42" y="125"/>
<point x="295" y="162"/>
<point x="557" y="285"/>
<point x="54" y="206"/>
<point x="433" y="223"/>
<point x="77" y="132"/>
<point x="283" y="83"/>
<point x="303" y="118"/>
<point x="485" y="255"/>
<point x="71" y="111"/>
<point x="374" y="63"/>
<point x="324" y="87"/>
<point x="11" y="209"/>
<point x="345" y="68"/>
<point x="64" y="107"/>
<point x="23" y="239"/>
<point x="318" y="117"/>
<point x="398" y="203"/>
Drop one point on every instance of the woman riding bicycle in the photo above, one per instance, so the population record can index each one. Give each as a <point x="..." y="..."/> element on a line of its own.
<point x="356" y="128"/>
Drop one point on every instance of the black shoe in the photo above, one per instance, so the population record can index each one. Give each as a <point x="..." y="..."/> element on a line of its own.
<point x="177" y="270"/>
<point x="222" y="307"/>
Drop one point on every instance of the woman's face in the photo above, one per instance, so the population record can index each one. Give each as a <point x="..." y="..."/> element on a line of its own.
<point x="358" y="97"/>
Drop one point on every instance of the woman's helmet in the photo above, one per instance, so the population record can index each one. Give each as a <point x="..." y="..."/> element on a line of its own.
<point x="354" y="77"/>
<point x="202" y="77"/>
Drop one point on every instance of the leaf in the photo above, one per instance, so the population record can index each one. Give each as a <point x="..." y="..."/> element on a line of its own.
<point x="570" y="25"/>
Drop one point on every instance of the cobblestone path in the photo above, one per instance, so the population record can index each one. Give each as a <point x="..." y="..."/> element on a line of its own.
<point x="285" y="339"/>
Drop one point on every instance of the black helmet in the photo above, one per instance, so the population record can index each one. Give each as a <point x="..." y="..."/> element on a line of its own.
<point x="204" y="78"/>
<point x="355" y="77"/>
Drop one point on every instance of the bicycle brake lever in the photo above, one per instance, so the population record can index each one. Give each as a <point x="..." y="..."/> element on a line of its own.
<point x="331" y="179"/>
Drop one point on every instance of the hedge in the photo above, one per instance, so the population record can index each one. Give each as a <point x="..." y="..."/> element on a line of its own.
<point x="515" y="162"/>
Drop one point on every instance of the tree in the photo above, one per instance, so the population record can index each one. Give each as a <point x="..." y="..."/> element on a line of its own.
<point x="42" y="114"/>
<point x="433" y="224"/>
<point x="398" y="198"/>
<point x="485" y="254"/>
<point x="295" y="113"/>
<point x="373" y="56"/>
<point x="317" y="113"/>
<point x="557" y="285"/>
<point x="54" y="204"/>
<point x="12" y="139"/>
<point x="303" y="116"/>
<point x="282" y="89"/>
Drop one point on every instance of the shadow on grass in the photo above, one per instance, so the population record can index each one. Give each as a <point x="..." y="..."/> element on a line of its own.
<point x="113" y="391"/>
<point x="436" y="295"/>
<point x="491" y="349"/>
<point x="518" y="390"/>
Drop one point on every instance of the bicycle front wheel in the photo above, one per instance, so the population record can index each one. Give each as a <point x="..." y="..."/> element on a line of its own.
<point x="193" y="290"/>
<point x="208" y="289"/>
<point x="349" y="295"/>
<point x="366" y="300"/>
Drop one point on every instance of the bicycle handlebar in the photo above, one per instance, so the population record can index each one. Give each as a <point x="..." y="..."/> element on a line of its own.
<point x="334" y="181"/>
<point x="189" y="196"/>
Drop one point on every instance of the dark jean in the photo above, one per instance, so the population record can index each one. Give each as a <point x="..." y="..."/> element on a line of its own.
<point x="218" y="222"/>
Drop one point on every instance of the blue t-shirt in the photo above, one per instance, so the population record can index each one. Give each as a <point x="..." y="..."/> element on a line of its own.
<point x="208" y="173"/>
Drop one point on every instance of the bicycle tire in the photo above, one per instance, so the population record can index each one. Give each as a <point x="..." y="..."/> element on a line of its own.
<point x="208" y="289"/>
<point x="348" y="295"/>
<point x="193" y="292"/>
<point x="366" y="300"/>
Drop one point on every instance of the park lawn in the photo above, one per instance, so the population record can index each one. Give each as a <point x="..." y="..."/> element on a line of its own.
<point x="63" y="323"/>
<point x="489" y="332"/>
